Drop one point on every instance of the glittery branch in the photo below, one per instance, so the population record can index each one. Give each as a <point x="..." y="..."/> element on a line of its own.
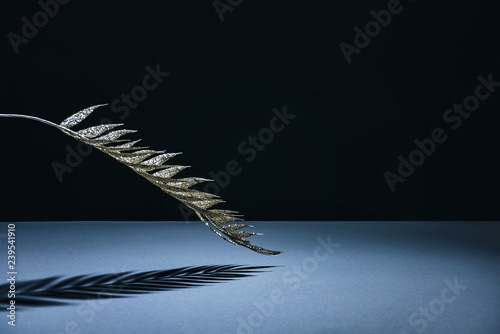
<point x="150" y="165"/>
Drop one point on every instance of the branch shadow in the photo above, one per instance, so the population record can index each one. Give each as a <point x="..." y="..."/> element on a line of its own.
<point x="56" y="291"/>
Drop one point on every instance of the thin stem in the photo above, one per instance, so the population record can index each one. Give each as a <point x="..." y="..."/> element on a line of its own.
<point x="30" y="117"/>
<point x="39" y="120"/>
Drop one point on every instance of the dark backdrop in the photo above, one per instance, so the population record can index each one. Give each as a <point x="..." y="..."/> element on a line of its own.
<point x="352" y="120"/>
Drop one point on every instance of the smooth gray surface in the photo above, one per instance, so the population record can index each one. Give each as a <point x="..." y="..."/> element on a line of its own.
<point x="377" y="275"/>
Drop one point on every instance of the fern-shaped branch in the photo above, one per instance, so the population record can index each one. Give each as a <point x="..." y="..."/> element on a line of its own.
<point x="150" y="164"/>
<point x="53" y="291"/>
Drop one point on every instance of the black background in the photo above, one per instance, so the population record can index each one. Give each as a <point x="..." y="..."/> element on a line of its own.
<point x="353" y="120"/>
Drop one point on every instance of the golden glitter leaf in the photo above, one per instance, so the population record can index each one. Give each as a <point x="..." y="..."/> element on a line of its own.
<point x="113" y="135"/>
<point x="76" y="118"/>
<point x="184" y="182"/>
<point x="150" y="165"/>
<point x="234" y="227"/>
<point x="171" y="171"/>
<point x="95" y="131"/>
<point x="126" y="147"/>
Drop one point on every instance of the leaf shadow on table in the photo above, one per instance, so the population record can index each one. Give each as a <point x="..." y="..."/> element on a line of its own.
<point x="57" y="290"/>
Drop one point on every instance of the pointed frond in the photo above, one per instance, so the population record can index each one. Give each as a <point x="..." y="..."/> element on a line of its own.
<point x="76" y="118"/>
<point x="97" y="130"/>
